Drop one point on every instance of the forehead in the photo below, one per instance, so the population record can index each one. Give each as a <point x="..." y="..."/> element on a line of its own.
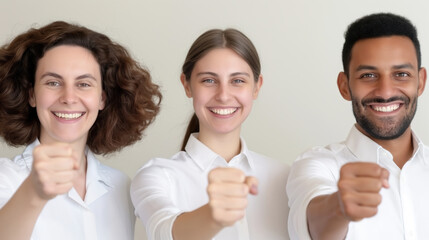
<point x="66" y="57"/>
<point x="383" y="51"/>
<point x="222" y="59"/>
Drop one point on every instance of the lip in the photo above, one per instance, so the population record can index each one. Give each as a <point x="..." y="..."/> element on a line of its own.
<point x="386" y="108"/>
<point x="68" y="116"/>
<point x="223" y="111"/>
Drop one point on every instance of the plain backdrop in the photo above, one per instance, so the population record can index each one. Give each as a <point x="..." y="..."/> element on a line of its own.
<point x="299" y="43"/>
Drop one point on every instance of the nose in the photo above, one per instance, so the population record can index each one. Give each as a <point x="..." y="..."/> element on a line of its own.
<point x="385" y="87"/>
<point x="68" y="95"/>
<point x="223" y="93"/>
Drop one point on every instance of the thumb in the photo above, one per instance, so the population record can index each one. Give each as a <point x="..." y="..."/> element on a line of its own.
<point x="384" y="176"/>
<point x="252" y="182"/>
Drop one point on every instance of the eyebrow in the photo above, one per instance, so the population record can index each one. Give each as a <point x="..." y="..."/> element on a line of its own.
<point x="55" y="75"/>
<point x="233" y="74"/>
<point x="369" y="67"/>
<point x="405" y="65"/>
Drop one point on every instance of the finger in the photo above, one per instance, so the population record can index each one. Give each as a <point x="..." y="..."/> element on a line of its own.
<point x="57" y="164"/>
<point x="63" y="177"/>
<point x="227" y="189"/>
<point x="384" y="176"/>
<point x="362" y="199"/>
<point x="360" y="184"/>
<point x="252" y="182"/>
<point x="360" y="169"/>
<point x="357" y="213"/>
<point x="63" y="188"/>
<point x="53" y="150"/>
<point x="229" y="203"/>
<point x="226" y="175"/>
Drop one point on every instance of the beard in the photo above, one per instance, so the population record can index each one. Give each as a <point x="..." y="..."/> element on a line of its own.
<point x="390" y="127"/>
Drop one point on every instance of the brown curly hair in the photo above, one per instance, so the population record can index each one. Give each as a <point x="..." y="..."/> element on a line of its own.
<point x="132" y="99"/>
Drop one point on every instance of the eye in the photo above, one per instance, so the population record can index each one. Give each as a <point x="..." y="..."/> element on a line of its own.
<point x="83" y="84"/>
<point x="237" y="81"/>
<point x="367" y="75"/>
<point x="208" y="80"/>
<point x="402" y="74"/>
<point x="53" y="83"/>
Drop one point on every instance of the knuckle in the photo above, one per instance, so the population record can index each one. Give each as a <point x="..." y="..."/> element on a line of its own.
<point x="211" y="189"/>
<point x="244" y="189"/>
<point x="378" y="199"/>
<point x="342" y="185"/>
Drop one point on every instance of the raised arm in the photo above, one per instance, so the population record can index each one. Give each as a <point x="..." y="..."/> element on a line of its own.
<point x="228" y="189"/>
<point x="52" y="174"/>
<point x="357" y="197"/>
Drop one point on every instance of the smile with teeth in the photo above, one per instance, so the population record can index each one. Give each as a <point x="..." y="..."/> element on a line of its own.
<point x="68" y="116"/>
<point x="223" y="111"/>
<point x="389" y="108"/>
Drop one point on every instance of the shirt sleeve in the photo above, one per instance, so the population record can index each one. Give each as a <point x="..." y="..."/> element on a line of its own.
<point x="152" y="201"/>
<point x="9" y="180"/>
<point x="311" y="175"/>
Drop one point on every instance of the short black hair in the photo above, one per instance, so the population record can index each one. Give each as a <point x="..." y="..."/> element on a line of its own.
<point x="378" y="25"/>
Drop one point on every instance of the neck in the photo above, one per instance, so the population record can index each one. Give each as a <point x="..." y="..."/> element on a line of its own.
<point x="401" y="148"/>
<point x="225" y="145"/>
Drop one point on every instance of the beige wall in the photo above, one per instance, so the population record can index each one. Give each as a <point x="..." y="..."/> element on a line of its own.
<point x="299" y="43"/>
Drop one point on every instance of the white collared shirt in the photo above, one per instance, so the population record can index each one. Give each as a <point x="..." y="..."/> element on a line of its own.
<point x="105" y="214"/>
<point x="403" y="211"/>
<point x="165" y="188"/>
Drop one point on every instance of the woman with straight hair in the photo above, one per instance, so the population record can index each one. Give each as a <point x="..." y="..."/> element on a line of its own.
<point x="68" y="93"/>
<point x="215" y="188"/>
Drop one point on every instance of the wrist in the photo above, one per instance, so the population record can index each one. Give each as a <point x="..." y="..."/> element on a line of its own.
<point x="28" y="189"/>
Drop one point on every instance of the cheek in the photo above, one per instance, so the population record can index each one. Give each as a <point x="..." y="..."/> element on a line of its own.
<point x="200" y="97"/>
<point x="246" y="97"/>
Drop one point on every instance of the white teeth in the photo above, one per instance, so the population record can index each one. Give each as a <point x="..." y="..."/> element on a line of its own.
<point x="224" y="111"/>
<point x="68" y="115"/>
<point x="390" y="108"/>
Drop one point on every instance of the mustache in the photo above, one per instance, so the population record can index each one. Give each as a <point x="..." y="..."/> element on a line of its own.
<point x="367" y="101"/>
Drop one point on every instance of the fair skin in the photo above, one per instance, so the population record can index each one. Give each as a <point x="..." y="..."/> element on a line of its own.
<point x="67" y="95"/>
<point x="380" y="68"/>
<point x="223" y="88"/>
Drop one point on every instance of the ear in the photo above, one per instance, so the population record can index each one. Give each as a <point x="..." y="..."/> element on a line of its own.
<point x="258" y="86"/>
<point x="102" y="101"/>
<point x="186" y="85"/>
<point x="343" y="86"/>
<point x="422" y="80"/>
<point x="31" y="100"/>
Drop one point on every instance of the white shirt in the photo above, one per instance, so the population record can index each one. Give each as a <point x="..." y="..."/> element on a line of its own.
<point x="165" y="188"/>
<point x="404" y="209"/>
<point x="105" y="214"/>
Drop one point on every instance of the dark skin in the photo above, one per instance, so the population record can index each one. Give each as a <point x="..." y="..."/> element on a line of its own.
<point x="382" y="68"/>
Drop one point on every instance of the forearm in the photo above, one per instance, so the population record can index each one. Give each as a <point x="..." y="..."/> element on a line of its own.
<point x="19" y="215"/>
<point x="196" y="225"/>
<point x="325" y="219"/>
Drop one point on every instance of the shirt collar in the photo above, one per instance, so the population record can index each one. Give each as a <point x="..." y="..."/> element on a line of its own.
<point x="96" y="171"/>
<point x="204" y="157"/>
<point x="365" y="149"/>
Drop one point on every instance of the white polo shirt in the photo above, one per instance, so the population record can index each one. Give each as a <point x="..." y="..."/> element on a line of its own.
<point x="404" y="210"/>
<point x="165" y="188"/>
<point x="105" y="214"/>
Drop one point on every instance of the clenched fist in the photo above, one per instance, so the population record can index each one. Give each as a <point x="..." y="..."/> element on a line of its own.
<point x="359" y="189"/>
<point x="228" y="189"/>
<point x="54" y="169"/>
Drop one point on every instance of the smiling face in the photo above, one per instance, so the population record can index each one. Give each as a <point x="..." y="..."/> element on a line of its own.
<point x="67" y="94"/>
<point x="223" y="88"/>
<point x="384" y="84"/>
